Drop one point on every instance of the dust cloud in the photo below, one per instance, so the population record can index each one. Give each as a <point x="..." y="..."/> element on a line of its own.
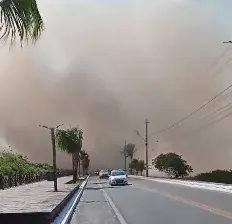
<point x="107" y="66"/>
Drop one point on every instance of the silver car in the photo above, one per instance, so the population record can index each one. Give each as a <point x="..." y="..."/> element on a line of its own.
<point x="118" y="177"/>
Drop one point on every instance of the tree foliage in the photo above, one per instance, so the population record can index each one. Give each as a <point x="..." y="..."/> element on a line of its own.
<point x="137" y="165"/>
<point x="85" y="160"/>
<point x="172" y="164"/>
<point x="20" y="18"/>
<point x="129" y="150"/>
<point x="15" y="163"/>
<point x="141" y="166"/>
<point x="217" y="176"/>
<point x="70" y="141"/>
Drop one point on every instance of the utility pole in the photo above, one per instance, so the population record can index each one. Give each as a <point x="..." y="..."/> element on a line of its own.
<point x="123" y="151"/>
<point x="52" y="131"/>
<point x="146" y="144"/>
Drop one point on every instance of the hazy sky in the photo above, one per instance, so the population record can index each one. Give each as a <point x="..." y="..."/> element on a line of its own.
<point x="109" y="65"/>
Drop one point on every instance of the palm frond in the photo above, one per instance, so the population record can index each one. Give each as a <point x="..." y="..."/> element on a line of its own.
<point x="20" y="18"/>
<point x="69" y="140"/>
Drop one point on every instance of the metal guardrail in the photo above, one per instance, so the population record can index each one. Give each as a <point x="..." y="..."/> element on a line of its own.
<point x="68" y="212"/>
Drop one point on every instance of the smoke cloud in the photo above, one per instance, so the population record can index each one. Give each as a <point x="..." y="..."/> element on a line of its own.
<point x="107" y="66"/>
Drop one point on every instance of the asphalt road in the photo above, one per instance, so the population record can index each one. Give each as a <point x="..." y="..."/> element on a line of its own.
<point x="150" y="202"/>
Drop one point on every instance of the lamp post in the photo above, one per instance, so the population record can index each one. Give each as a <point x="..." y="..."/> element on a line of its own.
<point x="52" y="131"/>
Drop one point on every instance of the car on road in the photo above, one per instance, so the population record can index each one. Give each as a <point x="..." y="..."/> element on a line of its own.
<point x="118" y="177"/>
<point x="104" y="174"/>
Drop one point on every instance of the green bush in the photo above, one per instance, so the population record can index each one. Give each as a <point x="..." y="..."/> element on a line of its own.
<point x="217" y="176"/>
<point x="15" y="163"/>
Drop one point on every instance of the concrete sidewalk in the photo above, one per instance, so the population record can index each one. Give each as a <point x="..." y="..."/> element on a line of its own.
<point x="36" y="197"/>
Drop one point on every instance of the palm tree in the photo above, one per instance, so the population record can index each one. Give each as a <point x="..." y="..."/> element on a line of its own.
<point x="70" y="141"/>
<point x="84" y="156"/>
<point x="20" y="18"/>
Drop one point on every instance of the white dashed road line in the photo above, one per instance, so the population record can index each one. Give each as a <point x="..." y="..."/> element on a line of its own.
<point x="111" y="203"/>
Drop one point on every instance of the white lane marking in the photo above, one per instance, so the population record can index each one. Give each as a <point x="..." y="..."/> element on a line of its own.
<point x="71" y="209"/>
<point x="111" y="203"/>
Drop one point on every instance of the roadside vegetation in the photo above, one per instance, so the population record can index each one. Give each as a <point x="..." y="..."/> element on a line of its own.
<point x="137" y="166"/>
<point x="176" y="167"/>
<point x="15" y="163"/>
<point x="173" y="165"/>
<point x="217" y="176"/>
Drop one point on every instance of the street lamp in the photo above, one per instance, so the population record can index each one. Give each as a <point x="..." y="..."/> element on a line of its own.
<point x="52" y="131"/>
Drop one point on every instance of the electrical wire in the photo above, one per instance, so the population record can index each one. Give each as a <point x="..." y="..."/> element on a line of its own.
<point x="223" y="111"/>
<point x="223" y="66"/>
<point x="219" y="109"/>
<point x="191" y="114"/>
<point x="214" y="122"/>
<point x="227" y="49"/>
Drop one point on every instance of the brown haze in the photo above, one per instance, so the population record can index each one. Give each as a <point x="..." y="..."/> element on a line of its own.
<point x="109" y="65"/>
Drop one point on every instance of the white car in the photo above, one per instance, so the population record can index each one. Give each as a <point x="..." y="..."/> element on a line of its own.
<point x="118" y="177"/>
<point x="104" y="174"/>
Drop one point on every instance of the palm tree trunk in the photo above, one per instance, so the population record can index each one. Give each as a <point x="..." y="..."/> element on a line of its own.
<point x="79" y="166"/>
<point x="74" y="167"/>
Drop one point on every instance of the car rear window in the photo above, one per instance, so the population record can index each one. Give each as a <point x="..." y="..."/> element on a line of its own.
<point x="117" y="173"/>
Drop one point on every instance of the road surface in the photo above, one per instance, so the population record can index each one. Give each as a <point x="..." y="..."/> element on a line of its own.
<point x="149" y="202"/>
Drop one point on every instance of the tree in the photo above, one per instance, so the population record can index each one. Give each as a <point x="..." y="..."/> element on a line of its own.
<point x="141" y="166"/>
<point x="70" y="141"/>
<point x="84" y="156"/>
<point x="134" y="166"/>
<point x="130" y="149"/>
<point x="172" y="164"/>
<point x="20" y="18"/>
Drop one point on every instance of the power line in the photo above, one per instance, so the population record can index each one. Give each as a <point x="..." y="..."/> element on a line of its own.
<point x="220" y="99"/>
<point x="224" y="64"/>
<point x="227" y="49"/>
<point x="191" y="114"/>
<point x="215" y="121"/>
<point x="219" y="109"/>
